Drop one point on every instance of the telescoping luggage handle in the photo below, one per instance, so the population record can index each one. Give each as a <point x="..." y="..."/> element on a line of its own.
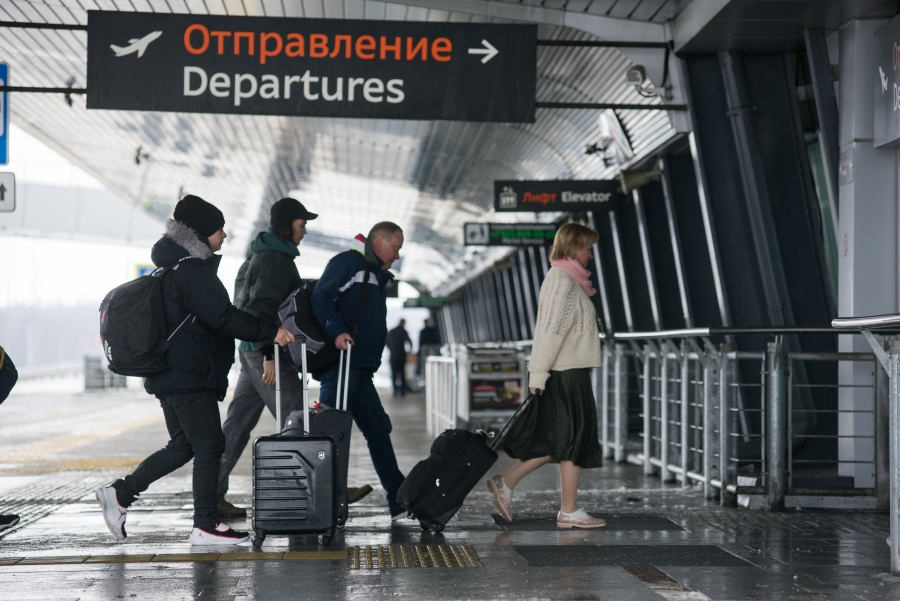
<point x="339" y="401"/>
<point x="498" y="439"/>
<point x="303" y="384"/>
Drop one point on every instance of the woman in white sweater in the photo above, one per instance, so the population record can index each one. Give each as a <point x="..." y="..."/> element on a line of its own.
<point x="560" y="425"/>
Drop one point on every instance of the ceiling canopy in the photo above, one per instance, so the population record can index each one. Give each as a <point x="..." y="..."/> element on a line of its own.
<point x="430" y="177"/>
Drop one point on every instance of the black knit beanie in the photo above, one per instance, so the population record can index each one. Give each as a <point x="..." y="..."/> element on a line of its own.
<point x="199" y="215"/>
<point x="285" y="211"/>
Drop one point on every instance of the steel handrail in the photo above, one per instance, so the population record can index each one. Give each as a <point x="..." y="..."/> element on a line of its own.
<point x="872" y="321"/>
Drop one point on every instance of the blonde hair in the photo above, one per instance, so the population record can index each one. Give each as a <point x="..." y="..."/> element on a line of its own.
<point x="571" y="238"/>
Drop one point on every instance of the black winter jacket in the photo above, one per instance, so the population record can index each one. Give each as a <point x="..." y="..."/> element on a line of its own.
<point x="265" y="279"/>
<point x="202" y="352"/>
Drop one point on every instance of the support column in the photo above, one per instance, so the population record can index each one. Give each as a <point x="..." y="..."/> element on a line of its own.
<point x="867" y="242"/>
<point x="776" y="428"/>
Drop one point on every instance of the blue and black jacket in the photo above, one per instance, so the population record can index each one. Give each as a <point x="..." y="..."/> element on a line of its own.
<point x="334" y="301"/>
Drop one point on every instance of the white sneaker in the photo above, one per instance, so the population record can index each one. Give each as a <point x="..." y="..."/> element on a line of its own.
<point x="220" y="535"/>
<point x="113" y="513"/>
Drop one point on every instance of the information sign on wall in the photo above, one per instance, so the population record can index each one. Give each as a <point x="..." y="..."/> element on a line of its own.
<point x="509" y="234"/>
<point x="887" y="82"/>
<point x="4" y="115"/>
<point x="557" y="195"/>
<point x="311" y="67"/>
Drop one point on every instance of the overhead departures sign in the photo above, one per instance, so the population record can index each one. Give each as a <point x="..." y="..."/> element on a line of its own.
<point x="887" y="83"/>
<point x="311" y="67"/>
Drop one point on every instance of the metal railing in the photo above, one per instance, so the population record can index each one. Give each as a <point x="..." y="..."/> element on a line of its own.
<point x="885" y="425"/>
<point x="441" y="393"/>
<point x="738" y="422"/>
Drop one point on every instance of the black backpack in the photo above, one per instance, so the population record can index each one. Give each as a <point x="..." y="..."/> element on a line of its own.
<point x="296" y="316"/>
<point x="133" y="326"/>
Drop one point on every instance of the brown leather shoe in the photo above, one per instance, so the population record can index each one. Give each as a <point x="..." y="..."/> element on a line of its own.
<point x="355" y="494"/>
<point x="227" y="510"/>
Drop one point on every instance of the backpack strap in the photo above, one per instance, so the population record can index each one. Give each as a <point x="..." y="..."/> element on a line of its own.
<point x="360" y="300"/>
<point x="158" y="273"/>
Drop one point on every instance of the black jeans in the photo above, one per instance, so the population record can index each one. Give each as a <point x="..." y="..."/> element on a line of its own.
<point x="372" y="420"/>
<point x="195" y="433"/>
<point x="398" y="376"/>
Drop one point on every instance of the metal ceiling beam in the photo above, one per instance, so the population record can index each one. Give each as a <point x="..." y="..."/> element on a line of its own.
<point x="607" y="28"/>
<point x="29" y="25"/>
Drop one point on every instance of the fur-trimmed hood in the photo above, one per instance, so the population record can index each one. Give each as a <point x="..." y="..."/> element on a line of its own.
<point x="179" y="242"/>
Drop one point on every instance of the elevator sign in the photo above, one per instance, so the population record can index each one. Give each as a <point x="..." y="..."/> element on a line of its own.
<point x="557" y="195"/>
<point x="887" y="82"/>
<point x="311" y="67"/>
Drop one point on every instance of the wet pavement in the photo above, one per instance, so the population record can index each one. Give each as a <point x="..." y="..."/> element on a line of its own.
<point x="662" y="542"/>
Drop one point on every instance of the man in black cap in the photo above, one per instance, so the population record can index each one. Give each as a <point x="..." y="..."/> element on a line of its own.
<point x="265" y="279"/>
<point x="202" y="325"/>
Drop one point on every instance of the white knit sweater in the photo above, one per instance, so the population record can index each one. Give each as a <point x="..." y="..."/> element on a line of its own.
<point x="565" y="335"/>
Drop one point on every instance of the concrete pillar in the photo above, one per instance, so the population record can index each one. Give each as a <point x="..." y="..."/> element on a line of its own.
<point x="867" y="238"/>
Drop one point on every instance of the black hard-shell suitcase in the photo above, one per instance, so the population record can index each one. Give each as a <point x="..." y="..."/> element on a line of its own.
<point x="436" y="487"/>
<point x="336" y="423"/>
<point x="294" y="479"/>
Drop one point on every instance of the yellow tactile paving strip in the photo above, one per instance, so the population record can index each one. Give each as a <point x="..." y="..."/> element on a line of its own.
<point x="43" y="456"/>
<point x="174" y="558"/>
<point x="386" y="557"/>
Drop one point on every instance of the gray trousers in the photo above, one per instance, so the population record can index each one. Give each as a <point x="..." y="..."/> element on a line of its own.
<point x="250" y="396"/>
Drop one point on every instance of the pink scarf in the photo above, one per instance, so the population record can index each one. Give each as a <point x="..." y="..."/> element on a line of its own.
<point x="578" y="272"/>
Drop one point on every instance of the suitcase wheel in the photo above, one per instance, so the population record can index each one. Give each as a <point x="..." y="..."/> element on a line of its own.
<point x="325" y="540"/>
<point x="438" y="528"/>
<point x="425" y="525"/>
<point x="258" y="539"/>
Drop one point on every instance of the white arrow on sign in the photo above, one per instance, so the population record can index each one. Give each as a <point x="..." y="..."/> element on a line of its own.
<point x="488" y="51"/>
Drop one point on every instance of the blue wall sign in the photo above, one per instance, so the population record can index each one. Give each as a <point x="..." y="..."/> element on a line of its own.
<point x="4" y="115"/>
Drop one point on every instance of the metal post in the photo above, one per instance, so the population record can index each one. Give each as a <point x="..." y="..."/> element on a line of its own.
<point x="664" y="474"/>
<point x="882" y="439"/>
<point x="685" y="414"/>
<point x="649" y="469"/>
<point x="727" y="428"/>
<point x="620" y="437"/>
<point x="776" y="437"/>
<point x="895" y="455"/>
<point x="711" y="446"/>
<point x="604" y="401"/>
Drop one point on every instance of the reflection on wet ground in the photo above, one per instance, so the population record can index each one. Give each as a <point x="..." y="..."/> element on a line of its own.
<point x="663" y="541"/>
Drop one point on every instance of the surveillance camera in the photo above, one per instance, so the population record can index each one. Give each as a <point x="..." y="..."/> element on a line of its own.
<point x="635" y="76"/>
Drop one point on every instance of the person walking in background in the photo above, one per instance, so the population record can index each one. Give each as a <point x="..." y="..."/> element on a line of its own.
<point x="196" y="377"/>
<point x="397" y="339"/>
<point x="350" y="274"/>
<point x="8" y="378"/>
<point x="560" y="424"/>
<point x="429" y="343"/>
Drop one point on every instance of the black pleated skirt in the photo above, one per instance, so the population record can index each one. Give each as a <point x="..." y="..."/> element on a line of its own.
<point x="561" y="423"/>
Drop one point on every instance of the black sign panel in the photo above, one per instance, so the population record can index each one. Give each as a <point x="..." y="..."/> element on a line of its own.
<point x="509" y="234"/>
<point x="557" y="195"/>
<point x="311" y="67"/>
<point x="887" y="82"/>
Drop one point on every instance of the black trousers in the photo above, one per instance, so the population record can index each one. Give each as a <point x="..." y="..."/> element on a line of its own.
<point x="195" y="432"/>
<point x="398" y="376"/>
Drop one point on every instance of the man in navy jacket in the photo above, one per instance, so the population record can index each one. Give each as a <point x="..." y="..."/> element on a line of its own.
<point x="334" y="301"/>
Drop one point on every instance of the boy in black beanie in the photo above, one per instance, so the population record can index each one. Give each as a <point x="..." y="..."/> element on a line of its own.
<point x="202" y="324"/>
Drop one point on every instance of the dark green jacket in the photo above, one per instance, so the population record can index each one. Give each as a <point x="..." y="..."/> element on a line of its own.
<point x="265" y="280"/>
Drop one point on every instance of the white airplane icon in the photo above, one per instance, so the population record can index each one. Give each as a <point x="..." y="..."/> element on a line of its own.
<point x="136" y="45"/>
<point x="884" y="80"/>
